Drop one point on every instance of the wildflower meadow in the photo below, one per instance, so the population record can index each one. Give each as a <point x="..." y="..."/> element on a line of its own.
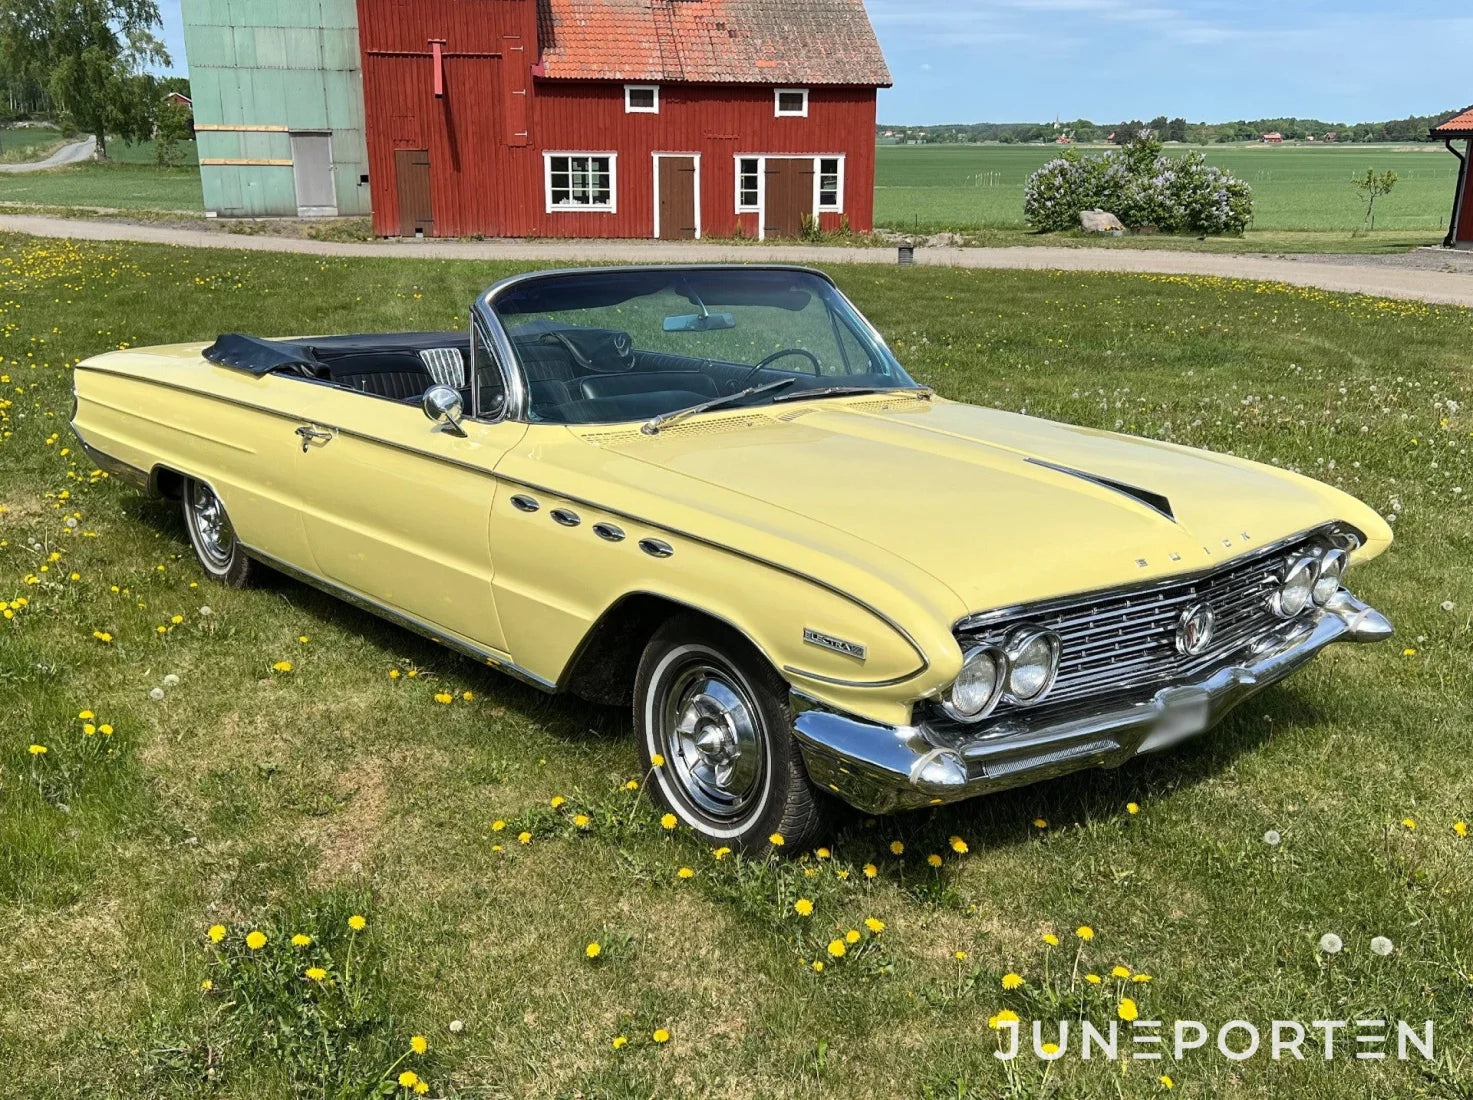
<point x="255" y="843"/>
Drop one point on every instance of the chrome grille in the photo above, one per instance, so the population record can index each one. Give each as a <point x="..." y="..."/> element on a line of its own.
<point x="1115" y="643"/>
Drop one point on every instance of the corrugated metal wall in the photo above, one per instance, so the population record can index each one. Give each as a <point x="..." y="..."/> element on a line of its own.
<point x="487" y="135"/>
<point x="259" y="69"/>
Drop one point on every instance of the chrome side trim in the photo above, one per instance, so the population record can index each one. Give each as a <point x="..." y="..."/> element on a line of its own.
<point x="925" y="662"/>
<point x="977" y="620"/>
<point x="462" y="646"/>
<point x="114" y="467"/>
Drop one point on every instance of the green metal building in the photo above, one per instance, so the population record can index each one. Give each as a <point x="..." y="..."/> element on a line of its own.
<point x="278" y="106"/>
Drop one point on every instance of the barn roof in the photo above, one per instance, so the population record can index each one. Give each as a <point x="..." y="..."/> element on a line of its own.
<point x="1457" y="126"/>
<point x="779" y="42"/>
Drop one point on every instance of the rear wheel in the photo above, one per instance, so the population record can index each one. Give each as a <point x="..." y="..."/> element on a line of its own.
<point x="717" y="715"/>
<point x="213" y="536"/>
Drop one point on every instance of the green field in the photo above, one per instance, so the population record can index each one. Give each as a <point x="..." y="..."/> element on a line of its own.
<point x="1294" y="187"/>
<point x="282" y="798"/>
<point x="28" y="143"/>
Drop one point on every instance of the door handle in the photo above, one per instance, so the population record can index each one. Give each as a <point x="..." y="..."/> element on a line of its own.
<point x="310" y="434"/>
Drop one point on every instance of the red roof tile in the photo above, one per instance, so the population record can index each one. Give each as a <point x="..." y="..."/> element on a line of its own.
<point x="1457" y="126"/>
<point x="799" y="42"/>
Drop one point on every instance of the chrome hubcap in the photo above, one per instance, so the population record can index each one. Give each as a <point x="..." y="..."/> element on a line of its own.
<point x="712" y="742"/>
<point x="211" y="526"/>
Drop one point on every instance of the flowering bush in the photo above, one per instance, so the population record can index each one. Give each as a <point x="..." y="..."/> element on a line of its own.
<point x="1141" y="187"/>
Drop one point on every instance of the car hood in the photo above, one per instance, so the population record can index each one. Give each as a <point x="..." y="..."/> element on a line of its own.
<point x="999" y="507"/>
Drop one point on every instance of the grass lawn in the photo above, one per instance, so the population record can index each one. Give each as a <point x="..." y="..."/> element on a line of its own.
<point x="28" y="143"/>
<point x="285" y="802"/>
<point x="128" y="181"/>
<point x="1294" y="187"/>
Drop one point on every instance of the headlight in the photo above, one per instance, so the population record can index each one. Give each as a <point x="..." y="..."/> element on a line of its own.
<point x="1033" y="662"/>
<point x="1332" y="571"/>
<point x="978" y="685"/>
<point x="1295" y="594"/>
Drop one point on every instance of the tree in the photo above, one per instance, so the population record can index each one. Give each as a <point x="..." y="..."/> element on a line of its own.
<point x="94" y="54"/>
<point x="1372" y="187"/>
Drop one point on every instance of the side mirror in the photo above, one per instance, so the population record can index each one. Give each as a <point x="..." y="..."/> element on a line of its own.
<point x="444" y="406"/>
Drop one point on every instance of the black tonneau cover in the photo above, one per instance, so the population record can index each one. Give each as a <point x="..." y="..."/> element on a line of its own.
<point x="257" y="355"/>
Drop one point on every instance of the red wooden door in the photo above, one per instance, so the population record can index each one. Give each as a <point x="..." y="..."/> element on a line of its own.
<point x="412" y="174"/>
<point x="677" y="187"/>
<point x="788" y="195"/>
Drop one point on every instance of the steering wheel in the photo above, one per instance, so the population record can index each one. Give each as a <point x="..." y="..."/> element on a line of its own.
<point x="781" y="353"/>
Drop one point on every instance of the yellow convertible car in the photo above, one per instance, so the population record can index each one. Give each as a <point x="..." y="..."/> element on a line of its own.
<point x="713" y="492"/>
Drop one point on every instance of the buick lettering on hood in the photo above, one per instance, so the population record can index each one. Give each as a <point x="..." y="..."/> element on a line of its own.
<point x="713" y="494"/>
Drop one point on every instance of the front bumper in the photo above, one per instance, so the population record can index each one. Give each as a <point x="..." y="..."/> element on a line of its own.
<point x="882" y="768"/>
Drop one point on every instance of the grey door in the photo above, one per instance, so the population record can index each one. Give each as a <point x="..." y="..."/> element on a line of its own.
<point x="312" y="167"/>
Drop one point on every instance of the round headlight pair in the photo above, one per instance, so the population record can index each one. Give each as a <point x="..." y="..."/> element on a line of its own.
<point x="1310" y="580"/>
<point x="1023" y="668"/>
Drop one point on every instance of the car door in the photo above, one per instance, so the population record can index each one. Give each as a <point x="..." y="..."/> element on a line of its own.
<point x="397" y="510"/>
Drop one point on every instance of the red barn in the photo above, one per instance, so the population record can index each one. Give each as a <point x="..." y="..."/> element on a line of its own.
<point x="1460" y="127"/>
<point x="619" y="118"/>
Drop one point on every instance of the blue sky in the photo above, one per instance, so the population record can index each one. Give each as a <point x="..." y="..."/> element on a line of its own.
<point x="1112" y="60"/>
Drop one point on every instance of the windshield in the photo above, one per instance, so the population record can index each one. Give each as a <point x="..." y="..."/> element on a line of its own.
<point x="614" y="346"/>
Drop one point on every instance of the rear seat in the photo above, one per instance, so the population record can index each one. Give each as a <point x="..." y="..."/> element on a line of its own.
<point x="398" y="375"/>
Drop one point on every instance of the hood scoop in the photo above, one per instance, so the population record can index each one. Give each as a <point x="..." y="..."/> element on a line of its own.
<point x="1154" y="501"/>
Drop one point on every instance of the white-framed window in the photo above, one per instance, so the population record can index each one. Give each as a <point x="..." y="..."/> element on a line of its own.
<point x="641" y="99"/>
<point x="790" y="102"/>
<point x="830" y="183"/>
<point x="581" y="182"/>
<point x="749" y="185"/>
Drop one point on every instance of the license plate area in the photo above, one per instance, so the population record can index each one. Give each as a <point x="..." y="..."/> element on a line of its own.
<point x="1185" y="712"/>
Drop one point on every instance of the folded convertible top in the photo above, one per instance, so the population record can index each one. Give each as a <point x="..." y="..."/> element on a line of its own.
<point x="258" y="356"/>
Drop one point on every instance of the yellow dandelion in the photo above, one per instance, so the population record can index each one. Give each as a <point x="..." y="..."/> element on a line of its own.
<point x="256" y="940"/>
<point x="419" y="1044"/>
<point x="851" y="937"/>
<point x="934" y="860"/>
<point x="686" y="872"/>
<point x="1006" y="1016"/>
<point x="282" y="666"/>
<point x="657" y="761"/>
<point x="960" y="956"/>
<point x="394" y="674"/>
<point x="37" y="750"/>
<point x="896" y="848"/>
<point x="1085" y="932"/>
<point x="620" y="1042"/>
<point x="721" y="853"/>
<point x="822" y="853"/>
<point x="1127" y="1010"/>
<point x="803" y="907"/>
<point x="1093" y="979"/>
<point x="1051" y="939"/>
<point x="1408" y="823"/>
<point x="1050" y="1048"/>
<point x="632" y="785"/>
<point x="1132" y="808"/>
<point x="105" y="730"/>
<point x="668" y="821"/>
<point x="524" y="838"/>
<point x="1166" y="1081"/>
<point x="593" y="950"/>
<point x="776" y="840"/>
<point x="357" y="923"/>
<point x="874" y="924"/>
<point x="206" y="985"/>
<point x="498" y="825"/>
<point x="661" y="1035"/>
<point x="1460" y="827"/>
<point x="837" y="949"/>
<point x="86" y="715"/>
<point x="301" y="939"/>
<point x="302" y="638"/>
<point x="421" y="1087"/>
<point x="818" y="966"/>
<point x="315" y="973"/>
<point x="958" y="845"/>
<point x="468" y="696"/>
<point x="870" y="870"/>
<point x="1040" y="823"/>
<point x="444" y="698"/>
<point x="177" y="620"/>
<point x="557" y="800"/>
<point x="216" y="933"/>
<point x="1140" y="979"/>
<point x="1012" y="980"/>
<point x="1120" y="972"/>
<point x="408" y="1079"/>
<point x="581" y="820"/>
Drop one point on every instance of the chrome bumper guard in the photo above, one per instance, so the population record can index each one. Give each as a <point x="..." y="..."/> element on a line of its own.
<point x="882" y="768"/>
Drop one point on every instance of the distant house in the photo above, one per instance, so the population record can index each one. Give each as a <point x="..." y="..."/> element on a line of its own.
<point x="1460" y="128"/>
<point x="1273" y="137"/>
<point x="1063" y="139"/>
<point x="179" y="99"/>
<point x="1332" y="135"/>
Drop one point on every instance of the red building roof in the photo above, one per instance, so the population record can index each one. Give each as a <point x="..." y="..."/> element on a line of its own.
<point x="1457" y="126"/>
<point x="780" y="42"/>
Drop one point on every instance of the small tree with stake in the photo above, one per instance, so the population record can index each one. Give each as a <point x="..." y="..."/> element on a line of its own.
<point x="1372" y="187"/>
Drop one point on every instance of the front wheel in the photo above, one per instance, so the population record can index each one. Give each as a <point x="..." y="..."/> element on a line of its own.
<point x="716" y="715"/>
<point x="213" y="536"/>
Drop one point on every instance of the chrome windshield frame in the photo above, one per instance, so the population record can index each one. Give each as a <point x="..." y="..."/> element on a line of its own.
<point x="483" y="310"/>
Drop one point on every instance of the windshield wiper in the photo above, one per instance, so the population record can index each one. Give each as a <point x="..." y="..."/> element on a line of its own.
<point x="653" y="426"/>
<point x="855" y="391"/>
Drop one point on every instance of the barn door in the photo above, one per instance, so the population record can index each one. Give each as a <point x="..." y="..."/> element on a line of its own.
<point x="412" y="173"/>
<point x="676" y="218"/>
<point x="787" y="196"/>
<point x="312" y="171"/>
